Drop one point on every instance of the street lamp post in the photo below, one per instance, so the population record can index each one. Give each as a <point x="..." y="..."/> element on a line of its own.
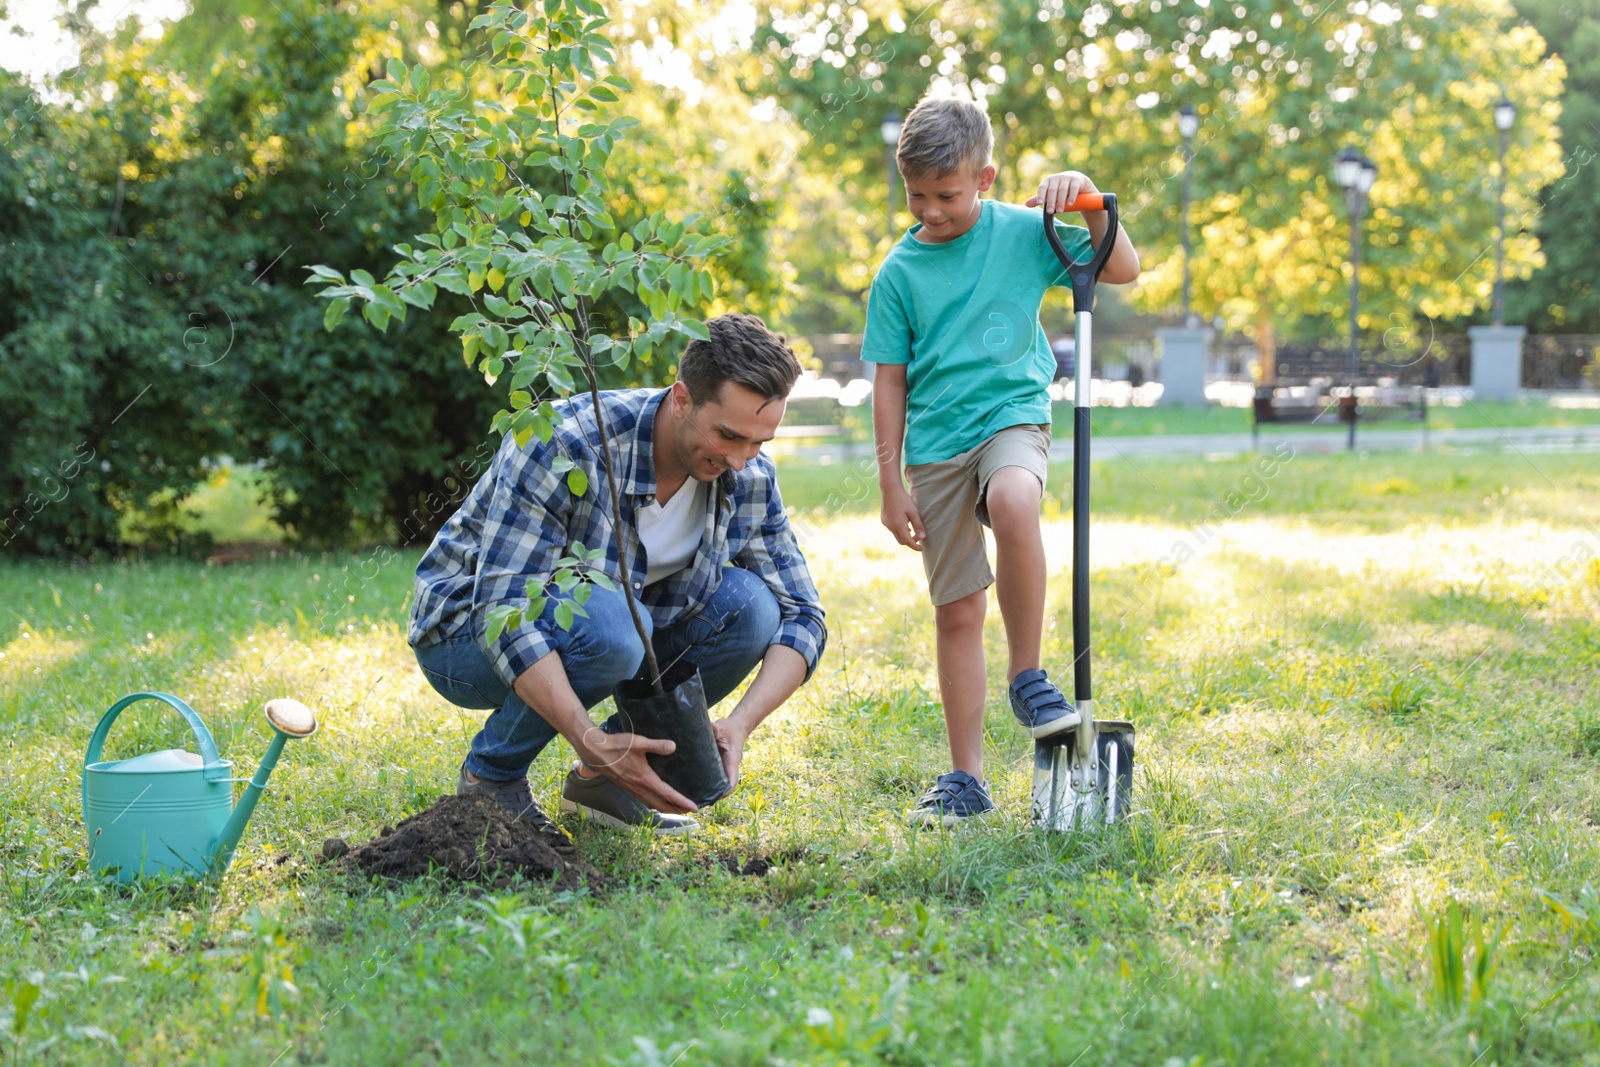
<point x="890" y="128"/>
<point x="1355" y="174"/>
<point x="1505" y="113"/>
<point x="1188" y="126"/>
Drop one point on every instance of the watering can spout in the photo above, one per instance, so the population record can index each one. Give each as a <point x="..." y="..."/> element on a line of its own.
<point x="289" y="719"/>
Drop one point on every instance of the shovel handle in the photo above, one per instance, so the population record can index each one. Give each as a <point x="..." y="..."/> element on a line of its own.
<point x="1083" y="276"/>
<point x="1088" y="202"/>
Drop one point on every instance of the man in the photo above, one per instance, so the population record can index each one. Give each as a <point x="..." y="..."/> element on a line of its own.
<point x="714" y="565"/>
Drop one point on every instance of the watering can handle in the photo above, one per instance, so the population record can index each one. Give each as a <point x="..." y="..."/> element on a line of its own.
<point x="214" y="767"/>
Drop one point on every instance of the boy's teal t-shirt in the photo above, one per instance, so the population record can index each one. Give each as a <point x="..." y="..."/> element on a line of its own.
<point x="964" y="314"/>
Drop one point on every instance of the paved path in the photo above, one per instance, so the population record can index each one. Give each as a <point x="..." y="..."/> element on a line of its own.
<point x="1217" y="445"/>
<point x="1522" y="438"/>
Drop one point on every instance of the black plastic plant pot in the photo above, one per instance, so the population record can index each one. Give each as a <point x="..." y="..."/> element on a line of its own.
<point x="679" y="715"/>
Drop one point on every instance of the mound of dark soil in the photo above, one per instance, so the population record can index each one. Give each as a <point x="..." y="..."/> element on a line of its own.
<point x="471" y="839"/>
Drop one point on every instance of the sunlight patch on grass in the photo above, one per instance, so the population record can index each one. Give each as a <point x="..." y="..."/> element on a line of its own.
<point x="1435" y="642"/>
<point x="34" y="652"/>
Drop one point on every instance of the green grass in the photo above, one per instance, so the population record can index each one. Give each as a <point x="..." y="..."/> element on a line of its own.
<point x="1368" y="692"/>
<point x="1371" y="491"/>
<point x="1134" y="422"/>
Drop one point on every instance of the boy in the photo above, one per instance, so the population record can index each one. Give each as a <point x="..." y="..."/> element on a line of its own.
<point x="963" y="366"/>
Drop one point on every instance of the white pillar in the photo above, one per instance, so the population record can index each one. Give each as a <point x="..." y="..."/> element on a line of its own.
<point x="1184" y="355"/>
<point x="1497" y="361"/>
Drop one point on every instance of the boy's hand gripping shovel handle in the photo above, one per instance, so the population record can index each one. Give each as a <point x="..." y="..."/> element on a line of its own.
<point x="1083" y="277"/>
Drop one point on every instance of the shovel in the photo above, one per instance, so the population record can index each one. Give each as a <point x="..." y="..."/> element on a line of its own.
<point x="1083" y="777"/>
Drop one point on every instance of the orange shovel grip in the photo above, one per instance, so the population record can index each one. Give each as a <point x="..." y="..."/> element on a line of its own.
<point x="1087" y="202"/>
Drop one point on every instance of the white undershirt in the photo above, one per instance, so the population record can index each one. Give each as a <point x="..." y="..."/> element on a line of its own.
<point x="671" y="532"/>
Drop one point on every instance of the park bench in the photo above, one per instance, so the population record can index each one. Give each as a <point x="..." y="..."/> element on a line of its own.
<point x="1316" y="404"/>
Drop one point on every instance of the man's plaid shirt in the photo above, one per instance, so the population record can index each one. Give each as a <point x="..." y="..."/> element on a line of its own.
<point x="521" y="517"/>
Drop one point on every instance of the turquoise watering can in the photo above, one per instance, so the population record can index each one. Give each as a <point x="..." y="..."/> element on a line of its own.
<point x="172" y="812"/>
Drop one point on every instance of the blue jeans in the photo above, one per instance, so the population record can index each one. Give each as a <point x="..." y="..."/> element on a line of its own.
<point x="727" y="639"/>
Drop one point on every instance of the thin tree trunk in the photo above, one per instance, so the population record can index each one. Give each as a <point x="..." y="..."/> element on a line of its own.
<point x="624" y="557"/>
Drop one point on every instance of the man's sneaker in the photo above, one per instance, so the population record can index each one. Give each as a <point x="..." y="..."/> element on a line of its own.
<point x="1039" y="705"/>
<point x="954" y="798"/>
<point x="607" y="803"/>
<point x="515" y="796"/>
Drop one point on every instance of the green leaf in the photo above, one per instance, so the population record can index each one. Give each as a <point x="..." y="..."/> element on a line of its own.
<point x="560" y="378"/>
<point x="499" y="618"/>
<point x="22" y="1002"/>
<point x="420" y="294"/>
<point x="564" y="615"/>
<point x="524" y="373"/>
<point x="335" y="312"/>
<point x="577" y="481"/>
<point x="386" y="298"/>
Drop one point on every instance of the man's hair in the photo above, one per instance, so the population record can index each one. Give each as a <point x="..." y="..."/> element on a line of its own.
<point x="943" y="135"/>
<point x="741" y="350"/>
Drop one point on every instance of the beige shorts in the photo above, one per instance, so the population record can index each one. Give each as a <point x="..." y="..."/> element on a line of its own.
<point x="950" y="498"/>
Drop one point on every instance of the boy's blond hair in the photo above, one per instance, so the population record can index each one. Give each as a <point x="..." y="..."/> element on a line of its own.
<point x="943" y="135"/>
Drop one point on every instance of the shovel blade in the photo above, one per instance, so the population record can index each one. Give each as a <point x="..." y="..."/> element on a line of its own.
<point x="1072" y="793"/>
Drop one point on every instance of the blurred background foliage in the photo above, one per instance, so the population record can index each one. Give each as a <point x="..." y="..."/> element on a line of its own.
<point x="160" y="201"/>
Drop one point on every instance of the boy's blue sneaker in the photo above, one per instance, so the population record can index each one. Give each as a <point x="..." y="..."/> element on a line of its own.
<point x="1039" y="705"/>
<point x="954" y="798"/>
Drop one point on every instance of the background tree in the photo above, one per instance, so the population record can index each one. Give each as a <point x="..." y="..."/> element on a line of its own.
<point x="1280" y="87"/>
<point x="1564" y="295"/>
<point x="158" y="237"/>
<point x="100" y="396"/>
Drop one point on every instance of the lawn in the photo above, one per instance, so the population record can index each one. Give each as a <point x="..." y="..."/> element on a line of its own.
<point x="1479" y="414"/>
<point x="1110" y="421"/>
<point x="1365" y="687"/>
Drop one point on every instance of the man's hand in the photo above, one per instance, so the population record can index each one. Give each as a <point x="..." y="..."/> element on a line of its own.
<point x="900" y="516"/>
<point x="621" y="757"/>
<point x="731" y="737"/>
<point x="1058" y="191"/>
